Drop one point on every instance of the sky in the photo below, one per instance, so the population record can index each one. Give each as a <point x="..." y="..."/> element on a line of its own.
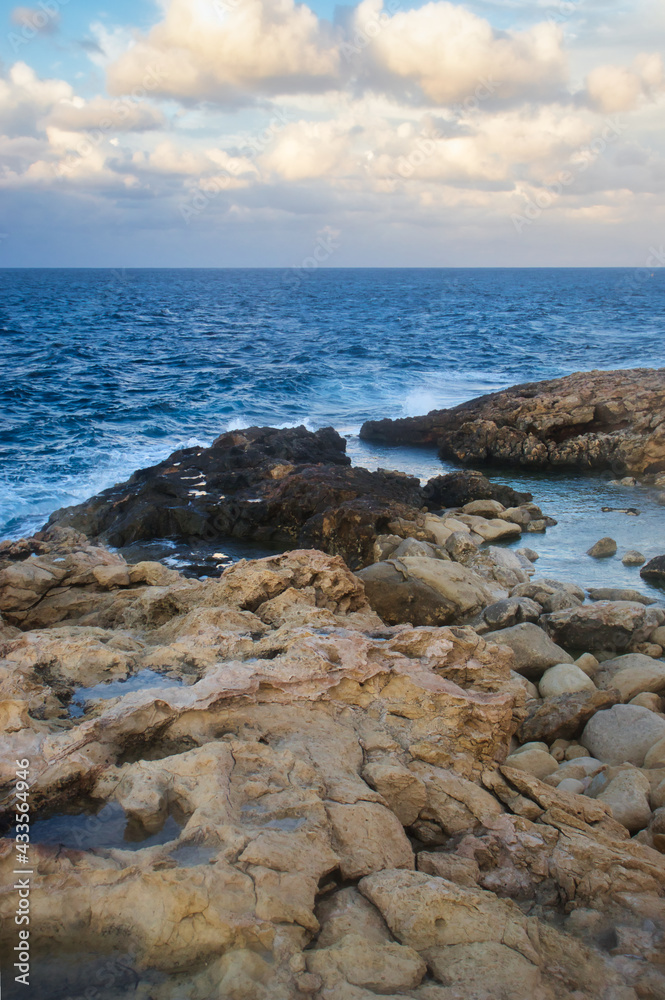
<point x="270" y="133"/>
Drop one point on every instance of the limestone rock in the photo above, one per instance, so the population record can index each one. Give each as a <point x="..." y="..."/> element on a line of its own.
<point x="604" y="625"/>
<point x="632" y="674"/>
<point x="564" y="678"/>
<point x="633" y="558"/>
<point x="589" y="420"/>
<point x="425" y="591"/>
<point x="624" y="733"/>
<point x="628" y="796"/>
<point x="603" y="548"/>
<point x="533" y="650"/>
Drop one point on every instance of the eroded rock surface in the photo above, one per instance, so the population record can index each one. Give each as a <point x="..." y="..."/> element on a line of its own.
<point x="589" y="420"/>
<point x="337" y="812"/>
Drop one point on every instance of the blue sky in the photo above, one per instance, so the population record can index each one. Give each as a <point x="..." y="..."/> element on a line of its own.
<point x="248" y="132"/>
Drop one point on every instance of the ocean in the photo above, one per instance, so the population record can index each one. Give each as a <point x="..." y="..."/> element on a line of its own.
<point x="108" y="371"/>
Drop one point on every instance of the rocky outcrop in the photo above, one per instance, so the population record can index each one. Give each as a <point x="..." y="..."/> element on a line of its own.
<point x="311" y="803"/>
<point x="591" y="420"/>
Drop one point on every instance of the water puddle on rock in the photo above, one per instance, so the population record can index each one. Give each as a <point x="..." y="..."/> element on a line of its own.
<point x="198" y="559"/>
<point x="108" y="828"/>
<point x="142" y="681"/>
<point x="191" y="855"/>
<point x="82" y="976"/>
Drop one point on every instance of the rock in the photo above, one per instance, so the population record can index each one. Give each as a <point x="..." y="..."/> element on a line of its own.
<point x="462" y="871"/>
<point x="495" y="530"/>
<point x="622" y="734"/>
<point x="572" y="785"/>
<point x="459" y="488"/>
<point x="633" y="558"/>
<point x="650" y="701"/>
<point x="654" y="571"/>
<point x="528" y="553"/>
<point x="511" y="611"/>
<point x="619" y="594"/>
<point x="383" y="968"/>
<point x="615" y="625"/>
<point x="658" y="636"/>
<point x="276" y="487"/>
<point x="534" y="652"/>
<point x="536" y="762"/>
<point x="461" y="547"/>
<point x="425" y="591"/>
<point x="588" y="663"/>
<point x="627" y="795"/>
<point x="589" y="420"/>
<point x="484" y="508"/>
<point x="655" y="756"/>
<point x="564" y="678"/>
<point x="603" y="549"/>
<point x="565" y="716"/>
<point x="648" y="649"/>
<point x="656" y="830"/>
<point x="631" y="675"/>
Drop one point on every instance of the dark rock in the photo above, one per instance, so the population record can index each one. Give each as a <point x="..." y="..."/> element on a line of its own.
<point x="279" y="488"/>
<point x="604" y="625"/>
<point x="511" y="611"/>
<point x="564" y="717"/>
<point x="459" y="488"/>
<point x="589" y="420"/>
<point x="618" y="594"/>
<point x="603" y="549"/>
<point x="654" y="571"/>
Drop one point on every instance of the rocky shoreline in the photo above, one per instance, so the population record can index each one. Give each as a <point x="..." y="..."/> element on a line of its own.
<point x="390" y="761"/>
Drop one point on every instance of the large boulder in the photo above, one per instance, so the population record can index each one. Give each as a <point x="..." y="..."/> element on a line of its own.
<point x="534" y="652"/>
<point x="426" y="591"/>
<point x="623" y="734"/>
<point x="603" y="625"/>
<point x="589" y="420"/>
<point x="631" y="675"/>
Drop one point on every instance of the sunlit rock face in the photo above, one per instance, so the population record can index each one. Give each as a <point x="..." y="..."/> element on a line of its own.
<point x="590" y="420"/>
<point x="313" y="803"/>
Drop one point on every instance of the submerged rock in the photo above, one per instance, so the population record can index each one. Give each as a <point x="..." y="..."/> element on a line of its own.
<point x="589" y="420"/>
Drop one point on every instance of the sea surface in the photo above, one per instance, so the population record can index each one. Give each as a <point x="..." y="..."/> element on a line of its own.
<point x="108" y="371"/>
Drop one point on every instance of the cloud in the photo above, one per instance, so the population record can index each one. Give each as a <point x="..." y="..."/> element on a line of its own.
<point x="207" y="52"/>
<point x="77" y="115"/>
<point x="449" y="52"/>
<point x="42" y="20"/>
<point x="233" y="51"/>
<point x="621" y="88"/>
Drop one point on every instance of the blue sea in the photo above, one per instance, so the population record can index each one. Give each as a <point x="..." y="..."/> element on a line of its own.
<point x="108" y="371"/>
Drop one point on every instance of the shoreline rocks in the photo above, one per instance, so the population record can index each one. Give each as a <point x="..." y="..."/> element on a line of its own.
<point x="590" y="420"/>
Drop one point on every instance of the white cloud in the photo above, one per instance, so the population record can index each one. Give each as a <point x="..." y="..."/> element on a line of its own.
<point x="622" y="88"/>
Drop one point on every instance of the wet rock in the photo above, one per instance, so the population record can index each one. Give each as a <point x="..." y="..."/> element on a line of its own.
<point x="622" y="734"/>
<point x="533" y="650"/>
<point x="603" y="549"/>
<point x="589" y="420"/>
<point x="619" y="594"/>
<point x="631" y="675"/>
<point x="425" y="591"/>
<point x="633" y="558"/>
<point x="459" y="488"/>
<point x="628" y="796"/>
<point x="654" y="571"/>
<point x="274" y="487"/>
<point x="604" y="625"/>
<point x="564" y="717"/>
<point x="564" y="678"/>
